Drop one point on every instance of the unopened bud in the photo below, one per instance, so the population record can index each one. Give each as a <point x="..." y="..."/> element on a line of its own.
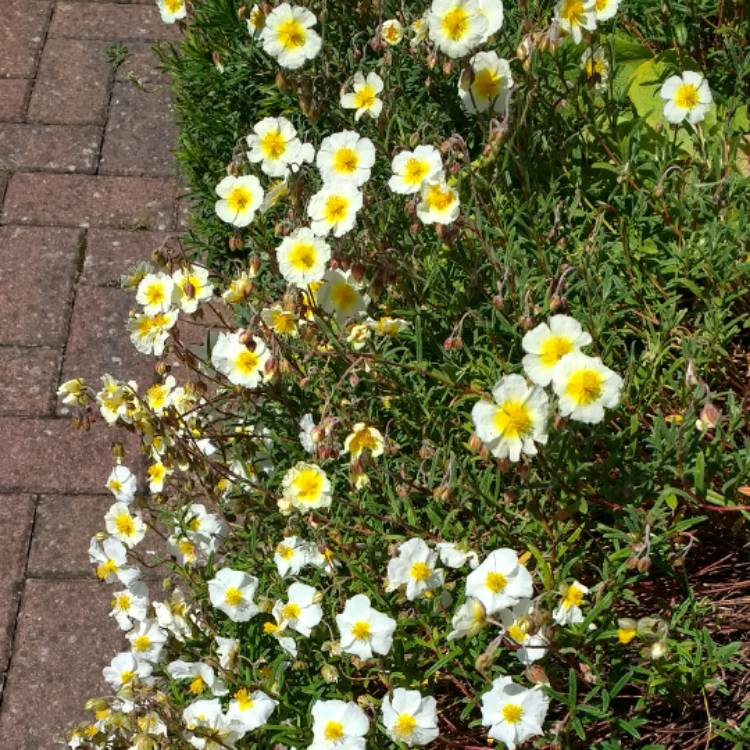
<point x="358" y="271"/>
<point x="254" y="263"/>
<point x="475" y="443"/>
<point x="246" y="338"/>
<point x="118" y="451"/>
<point x="236" y="242"/>
<point x="281" y="82"/>
<point x="329" y="673"/>
<point x="643" y="565"/>
<point x="447" y="68"/>
<point x="525" y="322"/>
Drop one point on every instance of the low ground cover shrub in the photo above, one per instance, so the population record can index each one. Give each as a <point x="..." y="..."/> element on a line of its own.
<point x="448" y="433"/>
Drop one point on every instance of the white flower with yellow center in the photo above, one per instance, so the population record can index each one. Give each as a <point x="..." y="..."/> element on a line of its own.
<point x="302" y="610"/>
<point x="239" y="199"/>
<point x="158" y="397"/>
<point x="415" y="569"/>
<point x="517" y="622"/>
<point x="469" y="619"/>
<point x="203" y="527"/>
<point x="276" y="629"/>
<point x="228" y="651"/>
<point x="515" y="421"/>
<point x="334" y="208"/>
<point x="358" y="336"/>
<point x="171" y="10"/>
<point x="289" y="37"/>
<point x="302" y="257"/>
<point x="339" y="296"/>
<point x="282" y="322"/>
<point x="256" y="20"/>
<point x="241" y="364"/>
<point x="364" y="96"/>
<point x="239" y="289"/>
<point x="363" y="438"/>
<point x="606" y="9"/>
<point x="455" y="556"/>
<point x="492" y="10"/>
<point x="410" y="717"/>
<point x="546" y="345"/>
<point x="486" y="84"/>
<point x="438" y="202"/>
<point x="252" y="710"/>
<point x="392" y="32"/>
<point x="569" y="610"/>
<point x="411" y="169"/>
<point x="274" y="143"/>
<point x="157" y="473"/>
<point x="338" y="725"/>
<point x="110" y="558"/>
<point x="456" y="26"/>
<point x="306" y="487"/>
<point x="191" y="287"/>
<point x="576" y="16"/>
<point x="686" y="96"/>
<point x="364" y="631"/>
<point x="123" y="525"/>
<point x="500" y="581"/>
<point x="149" y="333"/>
<point x="388" y="326"/>
<point x="73" y="392"/>
<point x="345" y="156"/>
<point x="185" y="550"/>
<point x="292" y="554"/>
<point x="202" y="677"/>
<point x="232" y="592"/>
<point x="419" y="30"/>
<point x="513" y="713"/>
<point x="154" y="292"/>
<point x="125" y="669"/>
<point x="584" y="387"/>
<point x="217" y="731"/>
<point x="147" y="641"/>
<point x="173" y="615"/>
<point x="595" y="67"/>
<point x="130" y="604"/>
<point x="122" y="484"/>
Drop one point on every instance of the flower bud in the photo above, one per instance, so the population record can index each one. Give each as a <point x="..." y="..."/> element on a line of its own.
<point x="475" y="443"/>
<point x="329" y="673"/>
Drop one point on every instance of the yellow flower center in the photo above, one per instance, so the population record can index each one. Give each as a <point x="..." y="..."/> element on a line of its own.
<point x="156" y="472"/>
<point x="308" y="484"/>
<point x="127" y="676"/>
<point x="244" y="701"/>
<point x="686" y="96"/>
<point x="291" y="611"/>
<point x="197" y="686"/>
<point x="495" y="582"/>
<point x="273" y="145"/>
<point x="284" y="552"/>
<point x="517" y="631"/>
<point x="187" y="548"/>
<point x="404" y="726"/>
<point x="239" y="199"/>
<point x="233" y="596"/>
<point x="335" y="208"/>
<point x="487" y="83"/>
<point x="415" y="170"/>
<point x="625" y="635"/>
<point x="270" y="628"/>
<point x="283" y="321"/>
<point x="593" y="67"/>
<point x="346" y="160"/>
<point x="173" y="5"/>
<point x="343" y="295"/>
<point x="438" y="199"/>
<point x="455" y="24"/>
<point x="125" y="525"/>
<point x="362" y="439"/>
<point x="365" y="97"/>
<point x="572" y="11"/>
<point x="303" y="256"/>
<point x="141" y="643"/>
<point x="420" y="571"/>
<point x="361" y="630"/>
<point x="291" y="34"/>
<point x="156" y="396"/>
<point x="103" y="570"/>
<point x="114" y="485"/>
<point x="247" y="362"/>
<point x="553" y="349"/>
<point x="584" y="387"/>
<point x="333" y="731"/>
<point x="513" y="419"/>
<point x="155" y="294"/>
<point x="573" y="596"/>
<point x="121" y="602"/>
<point x="512" y="713"/>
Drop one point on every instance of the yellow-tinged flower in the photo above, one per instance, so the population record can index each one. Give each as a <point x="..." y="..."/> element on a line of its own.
<point x="239" y="199"/>
<point x="302" y="257"/>
<point x="288" y="36"/>
<point x="439" y="202"/>
<point x="280" y="321"/>
<point x="584" y="387"/>
<point x="576" y="16"/>
<point x="306" y="487"/>
<point x="457" y="26"/>
<point x="412" y="168"/>
<point x="364" y="96"/>
<point x="392" y="32"/>
<point x="364" y="438"/>
<point x="171" y="10"/>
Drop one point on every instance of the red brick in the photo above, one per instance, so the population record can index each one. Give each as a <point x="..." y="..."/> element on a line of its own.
<point x="50" y="456"/>
<point x="72" y="86"/>
<point x="141" y="133"/>
<point x="28" y="378"/>
<point x="12" y="98"/>
<point x="53" y="148"/>
<point x="141" y="64"/>
<point x="110" y="252"/>
<point x="109" y="21"/>
<point x="83" y="200"/>
<point x="40" y="263"/>
<point x="63" y="639"/>
<point x="22" y="24"/>
<point x="16" y="521"/>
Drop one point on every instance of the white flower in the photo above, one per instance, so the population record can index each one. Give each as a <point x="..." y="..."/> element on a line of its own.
<point x="130" y="604"/>
<point x="338" y="725"/>
<point x="276" y="146"/>
<point x="392" y="32"/>
<point x="305" y="487"/>
<point x="513" y="713"/>
<point x="157" y="473"/>
<point x="289" y="37"/>
<point x="605" y="9"/>
<point x="345" y="156"/>
<point x="364" y="630"/>
<point x="122" y="484"/>
<point x="569" y="610"/>
<point x="468" y="620"/>
<point x="364" y="96"/>
<point x="334" y="208"/>
<point x="410" y="717"/>
<point x="364" y="438"/>
<point x="414" y="568"/>
<point x="486" y="84"/>
<point x="110" y="558"/>
<point x="171" y="10"/>
<point x="147" y="640"/>
<point x="456" y="26"/>
<point x="548" y="343"/>
<point x="302" y="612"/>
<point x="584" y="387"/>
<point x="251" y="710"/>
<point x="239" y="199"/>
<point x="242" y="364"/>
<point x="515" y="421"/>
<point x="500" y="581"/>
<point x="232" y="592"/>
<point x="159" y="396"/>
<point x="302" y="257"/>
<point x="202" y="677"/>
<point x="172" y="615"/>
<point x="595" y="67"/>
<point x="73" y="392"/>
<point x="307" y="425"/>
<point x="256" y="19"/>
<point x="124" y="525"/>
<point x="203" y="526"/>
<point x="575" y="16"/>
<point x="149" y="333"/>
<point x="219" y="731"/>
<point x="124" y="669"/>
<point x="411" y="168"/>
<point x="154" y="292"/>
<point x="292" y="554"/>
<point x="228" y="650"/>
<point x="277" y="630"/>
<point x="455" y="557"/>
<point x="191" y="286"/>
<point x="516" y="622"/>
<point x="492" y="10"/>
<point x="438" y="202"/>
<point x="339" y="296"/>
<point x="686" y="96"/>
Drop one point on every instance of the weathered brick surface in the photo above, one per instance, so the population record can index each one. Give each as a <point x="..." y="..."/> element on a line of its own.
<point x="141" y="64"/>
<point x="141" y="133"/>
<point x="109" y="21"/>
<point x="110" y="252"/>
<point x="72" y="87"/>
<point x="53" y="148"/>
<point x="28" y="378"/>
<point x="40" y="265"/>
<point x="22" y="24"/>
<point x="16" y="520"/>
<point x="12" y="98"/>
<point x="63" y="639"/>
<point x="82" y="200"/>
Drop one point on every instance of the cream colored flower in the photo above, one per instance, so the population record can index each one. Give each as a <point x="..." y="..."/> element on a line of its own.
<point x="686" y="97"/>
<point x="412" y="168"/>
<point x="302" y="257"/>
<point x="576" y="16"/>
<point x="306" y="487"/>
<point x="584" y="387"/>
<point x="486" y="84"/>
<point x="457" y="26"/>
<point x="345" y="156"/>
<point x="392" y="32"/>
<point x="288" y="35"/>
<point x="364" y="96"/>
<point x="242" y="364"/>
<point x="364" y="438"/>
<point x="439" y="202"/>
<point x="274" y="143"/>
<point x="155" y="293"/>
<point x="191" y="287"/>
<point x="171" y="11"/>
<point x="334" y="208"/>
<point x="339" y="296"/>
<point x="239" y="199"/>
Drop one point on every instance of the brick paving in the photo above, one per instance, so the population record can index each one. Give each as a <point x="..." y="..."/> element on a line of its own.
<point x="87" y="188"/>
